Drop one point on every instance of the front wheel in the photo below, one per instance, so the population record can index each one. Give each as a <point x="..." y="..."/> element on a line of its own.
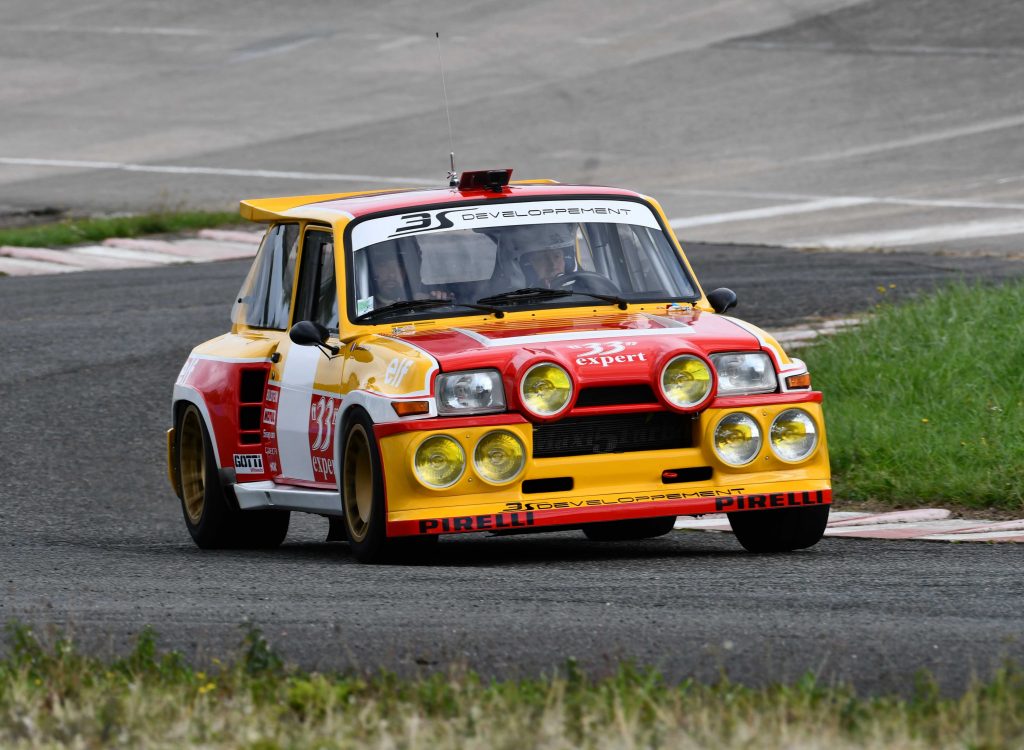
<point x="623" y="531"/>
<point x="362" y="491"/>
<point x="779" y="530"/>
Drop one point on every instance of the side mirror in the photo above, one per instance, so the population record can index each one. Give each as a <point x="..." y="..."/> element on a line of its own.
<point x="311" y="333"/>
<point x="722" y="299"/>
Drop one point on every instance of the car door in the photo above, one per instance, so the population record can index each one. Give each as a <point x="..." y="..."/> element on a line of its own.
<point x="308" y="377"/>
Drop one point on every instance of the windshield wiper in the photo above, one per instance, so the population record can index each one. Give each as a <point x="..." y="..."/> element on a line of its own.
<point x="610" y="298"/>
<point x="536" y="293"/>
<point x="411" y="305"/>
<point x="521" y="295"/>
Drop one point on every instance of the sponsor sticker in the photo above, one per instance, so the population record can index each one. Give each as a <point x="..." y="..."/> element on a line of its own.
<point x="248" y="463"/>
<point x="487" y="522"/>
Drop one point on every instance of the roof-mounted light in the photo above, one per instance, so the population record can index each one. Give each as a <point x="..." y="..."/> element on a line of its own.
<point x="493" y="180"/>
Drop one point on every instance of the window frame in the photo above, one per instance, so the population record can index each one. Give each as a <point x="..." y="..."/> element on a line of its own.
<point x="310" y="303"/>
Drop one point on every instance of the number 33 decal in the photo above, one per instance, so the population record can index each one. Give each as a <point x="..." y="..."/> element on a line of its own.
<point x="322" y="415"/>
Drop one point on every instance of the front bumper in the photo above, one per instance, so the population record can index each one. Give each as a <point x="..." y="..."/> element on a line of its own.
<point x="603" y="487"/>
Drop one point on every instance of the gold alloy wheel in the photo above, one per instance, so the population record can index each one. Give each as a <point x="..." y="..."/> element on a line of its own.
<point x="358" y="494"/>
<point x="192" y="465"/>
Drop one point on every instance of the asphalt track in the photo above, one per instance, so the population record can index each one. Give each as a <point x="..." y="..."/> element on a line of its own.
<point x="92" y="540"/>
<point x="761" y="125"/>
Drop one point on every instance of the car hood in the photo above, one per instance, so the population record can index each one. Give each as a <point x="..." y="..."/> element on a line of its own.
<point x="611" y="348"/>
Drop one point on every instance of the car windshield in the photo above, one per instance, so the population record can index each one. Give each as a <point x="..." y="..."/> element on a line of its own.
<point x="514" y="254"/>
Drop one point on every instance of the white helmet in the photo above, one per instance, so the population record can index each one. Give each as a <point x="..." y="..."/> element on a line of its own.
<point x="523" y="240"/>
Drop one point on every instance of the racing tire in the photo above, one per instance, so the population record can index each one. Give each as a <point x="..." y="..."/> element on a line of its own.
<point x="781" y="529"/>
<point x="628" y="531"/>
<point x="210" y="515"/>
<point x="362" y="491"/>
<point x="363" y="502"/>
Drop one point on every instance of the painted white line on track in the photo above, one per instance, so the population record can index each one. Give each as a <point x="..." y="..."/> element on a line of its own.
<point x="978" y="128"/>
<point x="768" y="212"/>
<point x="215" y="171"/>
<point x="114" y="30"/>
<point x="921" y="236"/>
<point x="868" y="199"/>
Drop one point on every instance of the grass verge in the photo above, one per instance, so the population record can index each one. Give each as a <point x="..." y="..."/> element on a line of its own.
<point x="924" y="402"/>
<point x="57" y="697"/>
<point x="74" y="231"/>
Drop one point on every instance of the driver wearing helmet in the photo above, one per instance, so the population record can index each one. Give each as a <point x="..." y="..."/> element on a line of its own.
<point x="541" y="251"/>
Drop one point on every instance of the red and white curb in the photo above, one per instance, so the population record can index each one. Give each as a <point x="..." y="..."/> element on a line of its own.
<point x="925" y="524"/>
<point x="206" y="246"/>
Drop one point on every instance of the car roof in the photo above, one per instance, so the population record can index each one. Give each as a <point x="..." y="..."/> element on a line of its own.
<point x="333" y="206"/>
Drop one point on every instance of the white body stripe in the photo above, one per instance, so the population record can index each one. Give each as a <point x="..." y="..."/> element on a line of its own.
<point x="618" y="333"/>
<point x="293" y="411"/>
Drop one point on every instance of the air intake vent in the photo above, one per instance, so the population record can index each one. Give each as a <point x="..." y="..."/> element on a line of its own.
<point x="613" y="433"/>
<point x="616" y="394"/>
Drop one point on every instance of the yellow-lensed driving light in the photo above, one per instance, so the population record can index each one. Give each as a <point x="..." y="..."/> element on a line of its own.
<point x="794" y="435"/>
<point x="499" y="457"/>
<point x="686" y="381"/>
<point x="439" y="462"/>
<point x="737" y="439"/>
<point x="546" y="389"/>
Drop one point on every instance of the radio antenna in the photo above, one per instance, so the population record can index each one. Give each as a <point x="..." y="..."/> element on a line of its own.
<point x="452" y="181"/>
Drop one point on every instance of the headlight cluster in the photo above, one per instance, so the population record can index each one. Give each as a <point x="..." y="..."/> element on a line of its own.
<point x="498" y="458"/>
<point x="793" y="436"/>
<point x="742" y="373"/>
<point x="686" y="381"/>
<point x="470" y="392"/>
<point x="546" y="389"/>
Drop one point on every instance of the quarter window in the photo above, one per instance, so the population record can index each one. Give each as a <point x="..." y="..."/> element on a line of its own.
<point x="264" y="300"/>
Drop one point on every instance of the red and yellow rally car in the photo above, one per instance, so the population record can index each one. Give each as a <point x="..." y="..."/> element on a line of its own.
<point x="491" y="356"/>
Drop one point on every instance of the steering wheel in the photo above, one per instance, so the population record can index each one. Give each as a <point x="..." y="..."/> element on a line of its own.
<point x="586" y="281"/>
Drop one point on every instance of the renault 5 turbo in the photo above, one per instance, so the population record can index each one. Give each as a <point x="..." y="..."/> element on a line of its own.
<point x="490" y="356"/>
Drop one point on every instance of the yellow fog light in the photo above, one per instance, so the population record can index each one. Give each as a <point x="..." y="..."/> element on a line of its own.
<point x="737" y="439"/>
<point x="499" y="457"/>
<point x="439" y="461"/>
<point x="794" y="435"/>
<point x="546" y="389"/>
<point x="686" y="381"/>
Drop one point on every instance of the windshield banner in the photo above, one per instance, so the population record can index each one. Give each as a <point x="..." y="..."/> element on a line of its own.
<point x="501" y="215"/>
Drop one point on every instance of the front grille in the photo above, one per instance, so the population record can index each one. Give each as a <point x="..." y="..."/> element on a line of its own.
<point x="613" y="433"/>
<point x="616" y="394"/>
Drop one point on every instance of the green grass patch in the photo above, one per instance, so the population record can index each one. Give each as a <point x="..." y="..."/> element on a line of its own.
<point x="57" y="697"/>
<point x="924" y="402"/>
<point x="74" y="231"/>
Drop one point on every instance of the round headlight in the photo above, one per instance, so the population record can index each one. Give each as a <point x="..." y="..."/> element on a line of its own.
<point x="546" y="389"/>
<point x="737" y="439"/>
<point x="499" y="457"/>
<point x="794" y="435"/>
<point x="686" y="381"/>
<point x="439" y="461"/>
